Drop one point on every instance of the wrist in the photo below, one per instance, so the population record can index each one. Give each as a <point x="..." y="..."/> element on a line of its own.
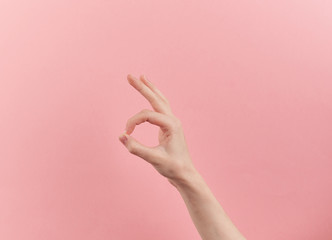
<point x="187" y="178"/>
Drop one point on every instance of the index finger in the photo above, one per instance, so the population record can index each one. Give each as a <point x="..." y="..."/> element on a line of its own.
<point x="146" y="115"/>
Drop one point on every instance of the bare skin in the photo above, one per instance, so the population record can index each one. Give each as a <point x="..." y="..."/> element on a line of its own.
<point x="172" y="160"/>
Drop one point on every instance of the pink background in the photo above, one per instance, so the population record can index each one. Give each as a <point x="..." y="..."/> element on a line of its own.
<point x="251" y="82"/>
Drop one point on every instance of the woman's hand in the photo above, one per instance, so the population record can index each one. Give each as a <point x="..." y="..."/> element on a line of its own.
<point x="171" y="157"/>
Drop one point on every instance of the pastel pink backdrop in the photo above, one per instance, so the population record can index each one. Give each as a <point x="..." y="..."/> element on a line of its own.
<point x="250" y="81"/>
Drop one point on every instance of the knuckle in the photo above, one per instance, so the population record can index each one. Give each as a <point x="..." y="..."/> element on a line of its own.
<point x="145" y="111"/>
<point x="176" y="123"/>
<point x="167" y="101"/>
<point x="153" y="100"/>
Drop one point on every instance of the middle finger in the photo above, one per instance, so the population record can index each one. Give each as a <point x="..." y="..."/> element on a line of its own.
<point x="157" y="104"/>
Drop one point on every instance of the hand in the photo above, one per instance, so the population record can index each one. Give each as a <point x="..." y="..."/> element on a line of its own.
<point x="171" y="157"/>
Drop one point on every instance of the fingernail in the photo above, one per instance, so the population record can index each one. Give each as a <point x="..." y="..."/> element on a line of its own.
<point x="123" y="138"/>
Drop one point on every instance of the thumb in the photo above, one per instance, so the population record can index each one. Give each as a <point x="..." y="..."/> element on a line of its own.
<point x="137" y="148"/>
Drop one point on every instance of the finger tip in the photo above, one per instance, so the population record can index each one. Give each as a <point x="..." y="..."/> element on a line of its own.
<point x="124" y="133"/>
<point x="123" y="138"/>
<point x="129" y="76"/>
<point x="144" y="79"/>
<point x="131" y="79"/>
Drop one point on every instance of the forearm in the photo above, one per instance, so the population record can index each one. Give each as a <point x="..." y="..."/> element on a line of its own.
<point x="206" y="212"/>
